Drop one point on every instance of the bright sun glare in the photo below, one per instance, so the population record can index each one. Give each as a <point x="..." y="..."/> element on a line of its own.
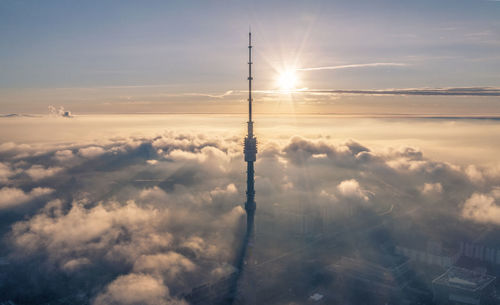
<point x="287" y="80"/>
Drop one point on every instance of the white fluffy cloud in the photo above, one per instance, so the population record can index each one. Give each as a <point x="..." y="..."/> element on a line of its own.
<point x="38" y="172"/>
<point x="169" y="264"/>
<point x="97" y="230"/>
<point x="350" y="188"/>
<point x="136" y="289"/>
<point x="482" y="208"/>
<point x="64" y="155"/>
<point x="474" y="174"/>
<point x="230" y="189"/>
<point x="91" y="151"/>
<point x="10" y="196"/>
<point x="11" y="147"/>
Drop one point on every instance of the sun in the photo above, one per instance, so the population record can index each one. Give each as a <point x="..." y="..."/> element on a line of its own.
<point x="287" y="80"/>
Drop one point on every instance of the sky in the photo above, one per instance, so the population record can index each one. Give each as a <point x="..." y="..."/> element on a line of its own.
<point x="190" y="56"/>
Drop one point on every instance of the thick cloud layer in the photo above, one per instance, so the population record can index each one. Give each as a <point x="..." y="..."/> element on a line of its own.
<point x="142" y="220"/>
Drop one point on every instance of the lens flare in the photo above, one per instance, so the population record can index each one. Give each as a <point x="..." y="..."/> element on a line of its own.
<point x="287" y="80"/>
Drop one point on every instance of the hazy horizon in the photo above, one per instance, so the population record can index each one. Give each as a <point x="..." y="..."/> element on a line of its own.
<point x="334" y="56"/>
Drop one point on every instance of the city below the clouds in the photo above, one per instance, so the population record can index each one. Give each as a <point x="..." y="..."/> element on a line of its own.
<point x="156" y="153"/>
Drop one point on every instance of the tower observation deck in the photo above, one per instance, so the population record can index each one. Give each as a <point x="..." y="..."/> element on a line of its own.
<point x="250" y="149"/>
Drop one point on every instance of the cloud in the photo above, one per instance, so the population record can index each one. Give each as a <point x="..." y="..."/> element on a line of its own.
<point x="200" y="247"/>
<point x="6" y="172"/>
<point x="230" y="189"/>
<point x="224" y="195"/>
<point x="91" y="151"/>
<point x="432" y="188"/>
<point x="170" y="225"/>
<point x="154" y="231"/>
<point x="466" y="91"/>
<point x="96" y="231"/>
<point x="153" y="195"/>
<point x="75" y="264"/>
<point x="64" y="155"/>
<point x="474" y="174"/>
<point x="60" y="112"/>
<point x="351" y="188"/>
<point x="169" y="264"/>
<point x="227" y="93"/>
<point x="11" y="149"/>
<point x="136" y="289"/>
<point x="367" y="65"/>
<point x="408" y="159"/>
<point x="38" y="172"/>
<point x="482" y="208"/>
<point x="11" y="197"/>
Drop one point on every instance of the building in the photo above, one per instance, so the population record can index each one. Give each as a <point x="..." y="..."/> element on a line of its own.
<point x="464" y="287"/>
<point x="387" y="274"/>
<point x="480" y="252"/>
<point x="434" y="254"/>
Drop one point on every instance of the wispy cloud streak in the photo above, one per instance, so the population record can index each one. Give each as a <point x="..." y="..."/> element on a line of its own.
<point x="227" y="93"/>
<point x="375" y="64"/>
<point x="468" y="91"/>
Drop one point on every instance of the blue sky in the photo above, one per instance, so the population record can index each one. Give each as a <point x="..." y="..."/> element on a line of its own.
<point x="185" y="47"/>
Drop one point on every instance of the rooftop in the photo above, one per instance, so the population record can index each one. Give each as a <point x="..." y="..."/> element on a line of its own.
<point x="464" y="279"/>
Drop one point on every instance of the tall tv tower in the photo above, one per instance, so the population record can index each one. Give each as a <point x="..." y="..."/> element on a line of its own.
<point x="243" y="291"/>
<point x="250" y="149"/>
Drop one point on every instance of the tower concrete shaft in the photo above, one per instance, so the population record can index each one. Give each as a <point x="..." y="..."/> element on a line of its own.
<point x="250" y="149"/>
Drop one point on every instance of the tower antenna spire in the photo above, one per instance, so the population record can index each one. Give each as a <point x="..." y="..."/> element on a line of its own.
<point x="250" y="148"/>
<point x="250" y="130"/>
